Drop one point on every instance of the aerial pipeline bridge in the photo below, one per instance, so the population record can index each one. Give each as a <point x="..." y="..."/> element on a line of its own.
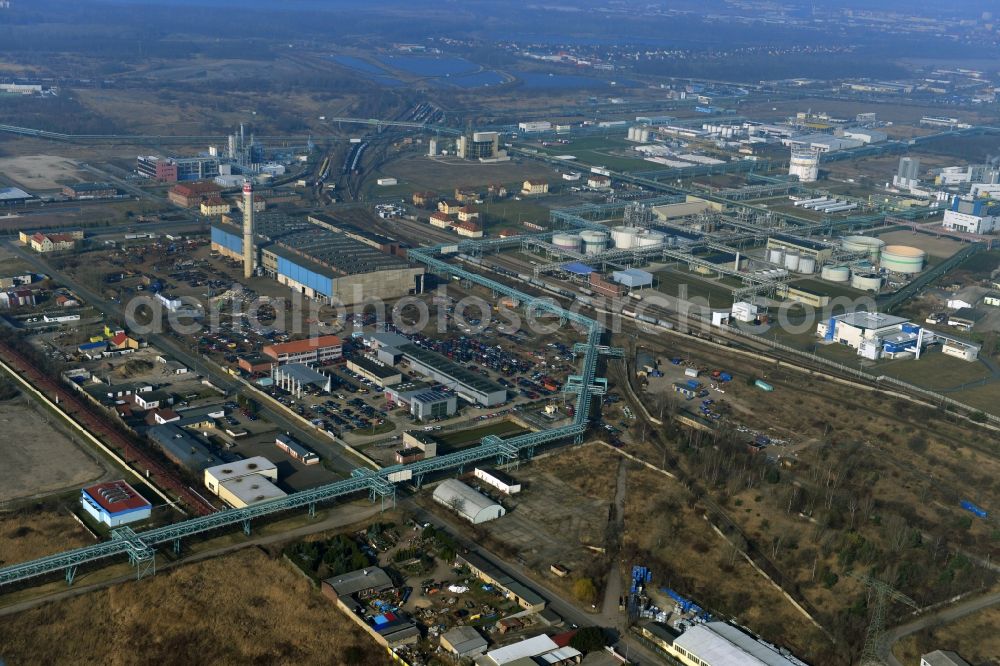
<point x="379" y="484"/>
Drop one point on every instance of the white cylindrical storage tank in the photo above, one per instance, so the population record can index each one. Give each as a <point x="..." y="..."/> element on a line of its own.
<point x="651" y="238"/>
<point x="569" y="242"/>
<point x="836" y="273"/>
<point x="873" y="246"/>
<point x="805" y="165"/>
<point x="625" y="238"/>
<point x="594" y="242"/>
<point x="903" y="259"/>
<point x="775" y="255"/>
<point x="807" y="265"/>
<point x="792" y="261"/>
<point x="866" y="281"/>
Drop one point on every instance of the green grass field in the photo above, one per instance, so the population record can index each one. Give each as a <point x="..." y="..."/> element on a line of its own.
<point x="509" y="212"/>
<point x="462" y="438"/>
<point x="717" y="293"/>
<point x="600" y="151"/>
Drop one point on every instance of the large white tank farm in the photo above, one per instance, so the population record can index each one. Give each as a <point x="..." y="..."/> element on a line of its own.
<point x="836" y="273"/>
<point x="807" y="265"/>
<point x="567" y="241"/>
<point x="873" y="246"/>
<point x="866" y="281"/>
<point x="792" y="261"/>
<point x="902" y="259"/>
<point x="594" y="242"/>
<point x="625" y="238"/>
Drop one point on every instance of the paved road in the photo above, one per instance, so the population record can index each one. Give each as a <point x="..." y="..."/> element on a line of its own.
<point x="943" y="616"/>
<point x="345" y="515"/>
<point x="610" y="614"/>
<point x="179" y="349"/>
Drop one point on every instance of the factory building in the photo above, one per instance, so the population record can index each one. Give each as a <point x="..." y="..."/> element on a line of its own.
<point x="511" y="588"/>
<point x="499" y="480"/>
<point x="10" y="196"/>
<point x="424" y="401"/>
<point x="721" y="644"/>
<point x="466" y="502"/>
<point x="866" y="135"/>
<point x="319" y="263"/>
<point x="972" y="216"/>
<point x="189" y="195"/>
<point x="322" y="349"/>
<point x="821" y="143"/>
<point x="820" y="252"/>
<point x="244" y="482"/>
<point x="182" y="447"/>
<point x="115" y="503"/>
<point x="907" y="174"/>
<point x="381" y="243"/>
<point x="171" y="170"/>
<point x="83" y="191"/>
<point x="470" y="386"/>
<point x="382" y="374"/>
<point x="876" y="335"/>
<point x="482" y="146"/>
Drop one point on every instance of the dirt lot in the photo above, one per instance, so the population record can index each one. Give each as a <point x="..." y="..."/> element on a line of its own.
<point x="40" y="172"/>
<point x="936" y="247"/>
<point x="974" y="638"/>
<point x="553" y="519"/>
<point x="443" y="175"/>
<point x="211" y="612"/>
<point x="37" y="457"/>
<point x="24" y="536"/>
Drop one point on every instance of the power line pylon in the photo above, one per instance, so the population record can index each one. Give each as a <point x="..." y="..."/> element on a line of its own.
<point x="883" y="594"/>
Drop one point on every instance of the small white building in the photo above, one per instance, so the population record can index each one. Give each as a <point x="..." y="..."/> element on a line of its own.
<point x="244" y="482"/>
<point x="466" y="502"/>
<point x="499" y="480"/>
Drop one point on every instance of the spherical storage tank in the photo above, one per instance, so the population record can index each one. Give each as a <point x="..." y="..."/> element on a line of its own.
<point x="651" y="238"/>
<point x="625" y="238"/>
<point x="792" y="261"/>
<point x="594" y="242"/>
<point x="836" y="273"/>
<point x="903" y="259"/>
<point x="866" y="281"/>
<point x="567" y="241"/>
<point x="807" y="265"/>
<point x="873" y="246"/>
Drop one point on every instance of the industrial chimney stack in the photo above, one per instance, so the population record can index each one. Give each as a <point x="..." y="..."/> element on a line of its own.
<point x="248" y="244"/>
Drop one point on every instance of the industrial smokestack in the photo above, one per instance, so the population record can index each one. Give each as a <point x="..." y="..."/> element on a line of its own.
<point x="248" y="244"/>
